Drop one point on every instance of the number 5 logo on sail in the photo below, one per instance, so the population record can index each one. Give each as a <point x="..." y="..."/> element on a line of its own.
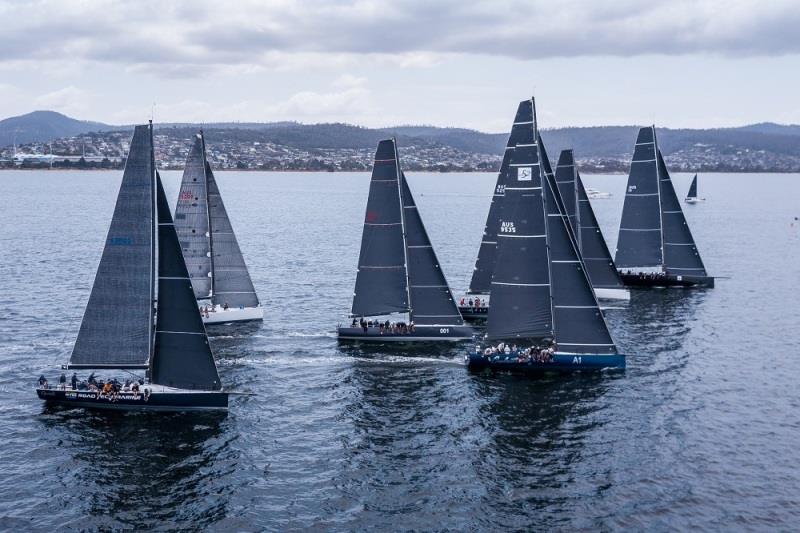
<point x="524" y="174"/>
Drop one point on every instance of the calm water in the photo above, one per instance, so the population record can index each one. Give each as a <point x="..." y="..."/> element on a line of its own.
<point x="702" y="430"/>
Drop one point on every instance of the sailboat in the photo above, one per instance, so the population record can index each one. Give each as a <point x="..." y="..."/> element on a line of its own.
<point x="605" y="279"/>
<point x="543" y="306"/>
<point x="398" y="271"/>
<point x="125" y="325"/>
<point x="655" y="246"/>
<point x="692" y="198"/>
<point x="475" y="305"/>
<point x="216" y="266"/>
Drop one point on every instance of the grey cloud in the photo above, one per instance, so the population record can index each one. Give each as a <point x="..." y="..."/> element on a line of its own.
<point x="179" y="38"/>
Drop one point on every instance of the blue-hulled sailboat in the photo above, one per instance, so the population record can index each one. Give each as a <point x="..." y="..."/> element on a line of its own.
<point x="655" y="247"/>
<point x="398" y="271"/>
<point x="543" y="307"/>
<point x="142" y="316"/>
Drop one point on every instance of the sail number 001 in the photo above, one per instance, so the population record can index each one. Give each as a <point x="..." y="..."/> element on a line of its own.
<point x="444" y="330"/>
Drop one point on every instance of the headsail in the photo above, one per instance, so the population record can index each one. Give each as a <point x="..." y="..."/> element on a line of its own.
<point x="381" y="281"/>
<point x="431" y="299"/>
<point x="182" y="357"/>
<point x="487" y="253"/>
<point x="578" y="323"/>
<point x="565" y="179"/>
<point x="681" y="257"/>
<point x="592" y="244"/>
<point x="521" y="306"/>
<point x="693" y="188"/>
<point x="640" y="242"/>
<point x="192" y="221"/>
<point x="232" y="283"/>
<point x="117" y="325"/>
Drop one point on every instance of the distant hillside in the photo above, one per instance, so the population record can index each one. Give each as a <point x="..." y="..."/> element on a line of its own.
<point x="41" y="126"/>
<point x="757" y="147"/>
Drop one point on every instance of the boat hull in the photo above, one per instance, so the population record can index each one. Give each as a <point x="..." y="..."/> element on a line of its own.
<point x="686" y="282"/>
<point x="612" y="294"/>
<point x="420" y="334"/>
<point x="561" y="363"/>
<point x="221" y="316"/>
<point x="694" y="200"/>
<point x="174" y="400"/>
<point x="474" y="313"/>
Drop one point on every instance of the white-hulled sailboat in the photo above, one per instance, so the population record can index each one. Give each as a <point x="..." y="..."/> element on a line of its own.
<point x="216" y="266"/>
<point x="142" y="315"/>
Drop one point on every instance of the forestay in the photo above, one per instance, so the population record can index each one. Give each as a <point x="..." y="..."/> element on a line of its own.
<point x="381" y="281"/>
<point x="432" y="302"/>
<point x="640" y="238"/>
<point x="117" y="325"/>
<point x="521" y="306"/>
<point x="681" y="257"/>
<point x="182" y="357"/>
<point x="192" y="222"/>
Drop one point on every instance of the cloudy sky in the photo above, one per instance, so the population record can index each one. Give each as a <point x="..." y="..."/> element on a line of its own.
<point x="678" y="63"/>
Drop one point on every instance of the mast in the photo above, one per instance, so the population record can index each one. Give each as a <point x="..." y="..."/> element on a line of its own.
<point x="546" y="174"/>
<point x="208" y="216"/>
<point x="403" y="226"/>
<point x="660" y="203"/>
<point x="153" y="221"/>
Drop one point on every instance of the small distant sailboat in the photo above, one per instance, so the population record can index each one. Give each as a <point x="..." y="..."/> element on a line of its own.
<point x="125" y="326"/>
<point x="655" y="247"/>
<point x="215" y="262"/>
<point x="541" y="294"/>
<point x="606" y="281"/>
<point x="398" y="271"/>
<point x="692" y="197"/>
<point x="596" y="194"/>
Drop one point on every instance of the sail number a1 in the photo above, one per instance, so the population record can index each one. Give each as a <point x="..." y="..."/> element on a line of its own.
<point x="524" y="174"/>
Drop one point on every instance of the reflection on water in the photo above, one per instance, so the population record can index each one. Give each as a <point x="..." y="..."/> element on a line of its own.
<point x="140" y="470"/>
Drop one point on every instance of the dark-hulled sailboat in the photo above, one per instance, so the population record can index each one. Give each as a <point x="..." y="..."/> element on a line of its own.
<point x="398" y="271"/>
<point x="215" y="262"/>
<point x="606" y="281"/>
<point x="655" y="247"/>
<point x="541" y="294"/>
<point x="123" y="328"/>
<point x="691" y="197"/>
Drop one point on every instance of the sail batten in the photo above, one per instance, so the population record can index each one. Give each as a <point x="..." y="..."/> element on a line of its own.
<point x="116" y="329"/>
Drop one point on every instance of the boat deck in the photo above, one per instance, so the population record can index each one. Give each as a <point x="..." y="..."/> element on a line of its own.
<point x="159" y="398"/>
<point x="640" y="281"/>
<point x="418" y="334"/>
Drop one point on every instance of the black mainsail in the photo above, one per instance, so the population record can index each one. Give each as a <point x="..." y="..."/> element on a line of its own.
<point x="117" y="326"/>
<point x="681" y="257"/>
<point x="565" y="180"/>
<point x="521" y="306"/>
<point x="381" y="280"/>
<point x="484" y="264"/>
<point x="182" y="357"/>
<point x="640" y="243"/>
<point x="215" y="261"/>
<point x="540" y="288"/>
